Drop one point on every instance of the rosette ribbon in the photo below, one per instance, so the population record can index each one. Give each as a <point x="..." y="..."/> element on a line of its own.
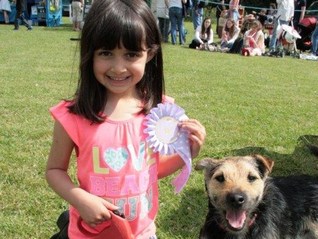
<point x="165" y="137"/>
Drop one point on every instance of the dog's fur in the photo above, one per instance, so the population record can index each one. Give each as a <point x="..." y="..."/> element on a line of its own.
<point x="245" y="203"/>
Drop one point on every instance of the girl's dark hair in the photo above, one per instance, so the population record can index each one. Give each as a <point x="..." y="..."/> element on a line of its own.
<point x="232" y="28"/>
<point x="208" y="30"/>
<point x="110" y="24"/>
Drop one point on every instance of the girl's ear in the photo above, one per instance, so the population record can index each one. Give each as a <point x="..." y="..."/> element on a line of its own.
<point x="150" y="55"/>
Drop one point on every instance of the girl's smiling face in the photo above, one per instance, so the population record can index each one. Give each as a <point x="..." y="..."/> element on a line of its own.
<point x="119" y="70"/>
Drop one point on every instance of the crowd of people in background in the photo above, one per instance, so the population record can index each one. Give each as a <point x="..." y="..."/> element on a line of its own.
<point x="244" y="33"/>
<point x="232" y="32"/>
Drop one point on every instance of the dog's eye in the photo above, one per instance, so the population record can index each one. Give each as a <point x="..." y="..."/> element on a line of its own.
<point x="251" y="178"/>
<point x="220" y="178"/>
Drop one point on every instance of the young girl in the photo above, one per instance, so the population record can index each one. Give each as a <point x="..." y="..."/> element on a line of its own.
<point x="254" y="40"/>
<point x="203" y="35"/>
<point x="121" y="79"/>
<point x="229" y="34"/>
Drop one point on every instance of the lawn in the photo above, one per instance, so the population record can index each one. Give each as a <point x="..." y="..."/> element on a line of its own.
<point x="248" y="105"/>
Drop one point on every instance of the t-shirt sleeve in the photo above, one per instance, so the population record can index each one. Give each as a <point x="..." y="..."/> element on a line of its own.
<point x="68" y="120"/>
<point x="168" y="99"/>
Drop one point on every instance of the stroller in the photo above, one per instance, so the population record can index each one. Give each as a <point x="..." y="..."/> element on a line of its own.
<point x="286" y="41"/>
<point x="305" y="29"/>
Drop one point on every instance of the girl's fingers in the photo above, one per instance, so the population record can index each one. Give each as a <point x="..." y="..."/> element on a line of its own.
<point x="195" y="128"/>
<point x="197" y="134"/>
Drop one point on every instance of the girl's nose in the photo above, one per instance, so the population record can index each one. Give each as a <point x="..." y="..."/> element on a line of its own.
<point x="118" y="65"/>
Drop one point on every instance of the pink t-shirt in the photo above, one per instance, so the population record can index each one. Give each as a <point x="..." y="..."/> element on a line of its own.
<point x="114" y="162"/>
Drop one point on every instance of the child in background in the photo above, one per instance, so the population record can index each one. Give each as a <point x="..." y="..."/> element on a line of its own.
<point x="121" y="79"/>
<point x="254" y="42"/>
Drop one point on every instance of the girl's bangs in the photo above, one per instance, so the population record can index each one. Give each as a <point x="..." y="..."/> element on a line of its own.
<point x="120" y="31"/>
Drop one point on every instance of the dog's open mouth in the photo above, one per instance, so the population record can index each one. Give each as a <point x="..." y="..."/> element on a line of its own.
<point x="236" y="219"/>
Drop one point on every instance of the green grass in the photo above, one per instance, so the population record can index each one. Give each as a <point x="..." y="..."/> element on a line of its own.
<point x="248" y="105"/>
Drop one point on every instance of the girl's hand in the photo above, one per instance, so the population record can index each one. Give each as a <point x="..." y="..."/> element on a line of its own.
<point x="94" y="210"/>
<point x="197" y="135"/>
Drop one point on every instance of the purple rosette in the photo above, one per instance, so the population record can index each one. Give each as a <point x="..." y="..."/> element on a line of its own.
<point x="165" y="137"/>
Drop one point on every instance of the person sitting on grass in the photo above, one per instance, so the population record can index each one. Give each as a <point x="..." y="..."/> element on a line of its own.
<point x="229" y="34"/>
<point x="203" y="35"/>
<point x="253" y="41"/>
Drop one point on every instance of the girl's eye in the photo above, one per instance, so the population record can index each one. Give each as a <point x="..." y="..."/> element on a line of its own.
<point x="133" y="54"/>
<point x="104" y="53"/>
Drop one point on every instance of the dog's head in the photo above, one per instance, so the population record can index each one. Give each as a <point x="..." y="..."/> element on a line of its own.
<point x="235" y="186"/>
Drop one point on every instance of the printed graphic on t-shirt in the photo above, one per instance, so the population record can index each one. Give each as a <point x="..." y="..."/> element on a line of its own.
<point x="125" y="177"/>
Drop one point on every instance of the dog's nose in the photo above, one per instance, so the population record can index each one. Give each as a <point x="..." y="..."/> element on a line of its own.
<point x="235" y="199"/>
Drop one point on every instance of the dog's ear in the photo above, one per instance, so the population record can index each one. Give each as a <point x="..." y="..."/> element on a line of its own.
<point x="208" y="165"/>
<point x="265" y="165"/>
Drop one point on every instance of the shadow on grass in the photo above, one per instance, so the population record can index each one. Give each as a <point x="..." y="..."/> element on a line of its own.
<point x="67" y="27"/>
<point x="300" y="161"/>
<point x="194" y="203"/>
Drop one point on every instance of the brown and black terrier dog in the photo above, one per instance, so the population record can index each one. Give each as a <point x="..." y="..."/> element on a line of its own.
<point x="245" y="203"/>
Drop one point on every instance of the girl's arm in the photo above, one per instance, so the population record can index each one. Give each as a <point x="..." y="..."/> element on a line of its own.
<point x="235" y="36"/>
<point x="167" y="3"/>
<point x="224" y="36"/>
<point x="245" y="40"/>
<point x="92" y="209"/>
<point x="197" y="34"/>
<point x="210" y="40"/>
<point x="260" y="41"/>
<point x="58" y="163"/>
<point x="170" y="164"/>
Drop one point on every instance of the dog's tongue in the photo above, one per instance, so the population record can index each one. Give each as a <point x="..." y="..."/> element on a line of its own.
<point x="236" y="219"/>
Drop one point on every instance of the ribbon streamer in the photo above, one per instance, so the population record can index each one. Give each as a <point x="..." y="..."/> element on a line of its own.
<point x="165" y="137"/>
